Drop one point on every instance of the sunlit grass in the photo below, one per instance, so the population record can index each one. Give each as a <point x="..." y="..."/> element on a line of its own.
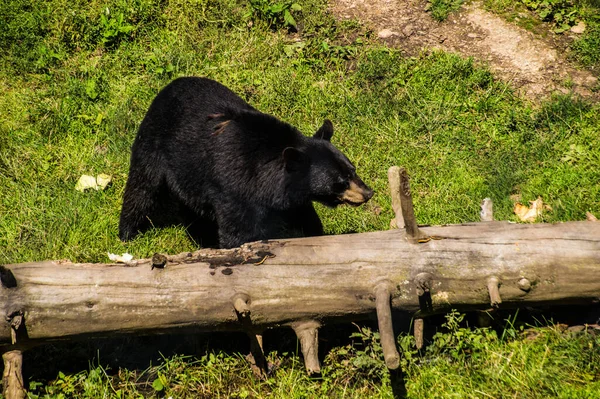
<point x="74" y="89"/>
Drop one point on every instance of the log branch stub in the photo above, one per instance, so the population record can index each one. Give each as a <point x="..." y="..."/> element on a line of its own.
<point x="413" y="234"/>
<point x="386" y="330"/>
<point x="159" y="261"/>
<point x="241" y="304"/>
<point x="493" y="285"/>
<point x="423" y="282"/>
<point x="394" y="182"/>
<point x="524" y="285"/>
<point x="257" y="358"/>
<point x="12" y="378"/>
<point x="16" y="320"/>
<point x="487" y="210"/>
<point x="308" y="335"/>
<point x="419" y="328"/>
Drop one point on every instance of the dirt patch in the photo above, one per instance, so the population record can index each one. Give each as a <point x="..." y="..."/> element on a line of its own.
<point x="536" y="66"/>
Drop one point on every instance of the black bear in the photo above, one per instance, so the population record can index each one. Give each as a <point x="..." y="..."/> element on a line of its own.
<point x="205" y="158"/>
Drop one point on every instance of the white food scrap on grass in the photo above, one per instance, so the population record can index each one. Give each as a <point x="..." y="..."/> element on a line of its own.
<point x="124" y="258"/>
<point x="102" y="181"/>
<point x="85" y="182"/>
<point x="530" y="214"/>
<point x="99" y="182"/>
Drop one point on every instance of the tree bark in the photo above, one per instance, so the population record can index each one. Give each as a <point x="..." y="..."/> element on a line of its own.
<point x="316" y="278"/>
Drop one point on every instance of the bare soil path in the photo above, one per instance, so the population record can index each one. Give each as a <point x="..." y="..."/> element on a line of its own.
<point x="535" y="65"/>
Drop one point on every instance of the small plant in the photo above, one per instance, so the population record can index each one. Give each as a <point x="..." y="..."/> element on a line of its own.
<point x="562" y="13"/>
<point x="460" y="342"/>
<point x="47" y="58"/>
<point x="91" y="89"/>
<point x="369" y="354"/>
<point x="114" y="28"/>
<point x="363" y="358"/>
<point x="275" y="14"/>
<point x="440" y="9"/>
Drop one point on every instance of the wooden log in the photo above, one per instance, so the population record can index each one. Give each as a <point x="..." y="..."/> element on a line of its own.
<point x="318" y="278"/>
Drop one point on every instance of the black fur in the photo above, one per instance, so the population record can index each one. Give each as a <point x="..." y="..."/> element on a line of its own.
<point x="205" y="158"/>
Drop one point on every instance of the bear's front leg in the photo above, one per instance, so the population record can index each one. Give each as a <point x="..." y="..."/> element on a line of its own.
<point x="306" y="220"/>
<point x="139" y="202"/>
<point x="237" y="223"/>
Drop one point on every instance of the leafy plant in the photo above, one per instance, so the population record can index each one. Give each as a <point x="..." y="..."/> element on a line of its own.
<point x="363" y="358"/>
<point x="459" y="342"/>
<point x="440" y="9"/>
<point x="47" y="58"/>
<point x="91" y="89"/>
<point x="275" y="14"/>
<point x="114" y="28"/>
<point x="562" y="13"/>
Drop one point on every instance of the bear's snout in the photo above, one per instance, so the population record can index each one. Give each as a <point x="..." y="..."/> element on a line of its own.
<point x="357" y="193"/>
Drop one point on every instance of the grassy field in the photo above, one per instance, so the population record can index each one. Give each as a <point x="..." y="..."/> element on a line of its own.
<point x="76" y="78"/>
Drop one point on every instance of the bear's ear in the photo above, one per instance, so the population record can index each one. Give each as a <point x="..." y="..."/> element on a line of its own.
<point x="325" y="132"/>
<point x="293" y="159"/>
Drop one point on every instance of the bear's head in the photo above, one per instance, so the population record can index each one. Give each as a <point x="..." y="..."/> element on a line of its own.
<point x="328" y="176"/>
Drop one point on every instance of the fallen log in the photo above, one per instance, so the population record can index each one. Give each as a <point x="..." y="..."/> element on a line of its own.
<point x="287" y="281"/>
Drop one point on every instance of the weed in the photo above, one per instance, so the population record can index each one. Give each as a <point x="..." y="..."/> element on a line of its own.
<point x="114" y="28"/>
<point x="277" y="14"/>
<point x="440" y="9"/>
<point x="458" y="342"/>
<point x="562" y="13"/>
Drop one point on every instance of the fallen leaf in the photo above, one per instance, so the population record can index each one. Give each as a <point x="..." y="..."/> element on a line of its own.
<point x="530" y="214"/>
<point x="124" y="258"/>
<point x="97" y="183"/>
<point x="590" y="217"/>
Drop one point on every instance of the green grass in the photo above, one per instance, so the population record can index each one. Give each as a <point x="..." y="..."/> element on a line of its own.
<point x="586" y="50"/>
<point x="440" y="9"/>
<point x="460" y="362"/>
<point x="462" y="135"/>
<point x="77" y="77"/>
